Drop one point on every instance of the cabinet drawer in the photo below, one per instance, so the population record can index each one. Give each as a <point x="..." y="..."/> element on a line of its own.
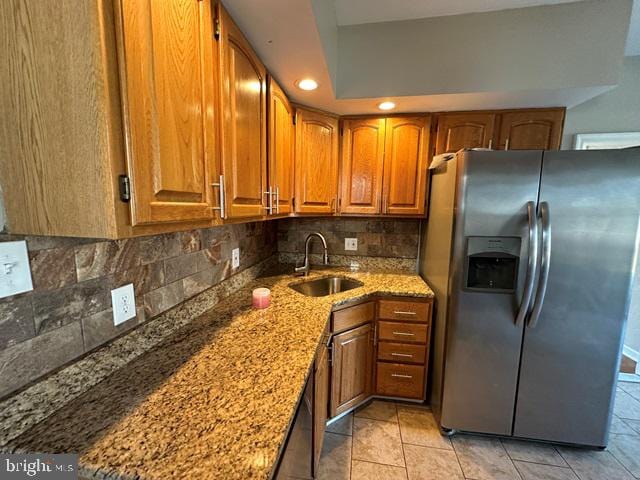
<point x="402" y="352"/>
<point x="406" y="311"/>
<point x="397" y="380"/>
<point x="352" y="317"/>
<point x="403" y="332"/>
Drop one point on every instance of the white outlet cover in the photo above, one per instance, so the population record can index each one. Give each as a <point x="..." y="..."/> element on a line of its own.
<point x="351" y="244"/>
<point x="15" y="272"/>
<point x="123" y="302"/>
<point x="235" y="258"/>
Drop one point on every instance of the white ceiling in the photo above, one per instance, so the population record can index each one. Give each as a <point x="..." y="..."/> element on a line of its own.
<point x="355" y="12"/>
<point x="286" y="37"/>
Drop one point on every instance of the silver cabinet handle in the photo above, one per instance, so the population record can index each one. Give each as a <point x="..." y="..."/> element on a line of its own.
<point x="405" y="334"/>
<point x="491" y="144"/>
<point x="269" y="194"/>
<point x="532" y="264"/>
<point x="405" y="355"/>
<point x="506" y="144"/>
<point x="220" y="184"/>
<point x="545" y="264"/>
<point x="400" y="312"/>
<point x="398" y="375"/>
<point x="278" y="199"/>
<point x="375" y="333"/>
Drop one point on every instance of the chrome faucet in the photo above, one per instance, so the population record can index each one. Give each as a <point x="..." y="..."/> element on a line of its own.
<point x="304" y="269"/>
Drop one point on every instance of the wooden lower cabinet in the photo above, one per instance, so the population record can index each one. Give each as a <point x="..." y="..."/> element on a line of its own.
<point x="379" y="348"/>
<point x="352" y="361"/>
<point x="320" y="403"/>
<point x="399" y="380"/>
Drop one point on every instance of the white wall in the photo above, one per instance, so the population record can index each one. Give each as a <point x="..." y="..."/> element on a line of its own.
<point x="617" y="110"/>
<point x="558" y="46"/>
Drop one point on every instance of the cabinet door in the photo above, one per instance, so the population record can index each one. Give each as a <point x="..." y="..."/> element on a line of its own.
<point x="531" y="130"/>
<point x="281" y="149"/>
<point x="362" y="160"/>
<point x="243" y="127"/>
<point x="464" y="130"/>
<point x="351" y="368"/>
<point x="320" y="403"/>
<point x="167" y="78"/>
<point x="316" y="164"/>
<point x="405" y="165"/>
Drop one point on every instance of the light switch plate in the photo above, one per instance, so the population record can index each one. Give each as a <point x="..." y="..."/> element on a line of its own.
<point x="351" y="244"/>
<point x="15" y="272"/>
<point x="235" y="258"/>
<point x="123" y="302"/>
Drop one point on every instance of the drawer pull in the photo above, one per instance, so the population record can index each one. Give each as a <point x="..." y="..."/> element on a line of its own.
<point x="401" y="312"/>
<point x="406" y="355"/>
<point x="398" y="375"/>
<point x="405" y="334"/>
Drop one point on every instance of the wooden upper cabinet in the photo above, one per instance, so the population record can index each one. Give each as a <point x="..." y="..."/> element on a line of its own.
<point x="405" y="165"/>
<point x="352" y="365"/>
<point x="531" y="129"/>
<point x="464" y="130"/>
<point x="168" y="89"/>
<point x="316" y="162"/>
<point x="243" y="126"/>
<point x="362" y="166"/>
<point x="281" y="149"/>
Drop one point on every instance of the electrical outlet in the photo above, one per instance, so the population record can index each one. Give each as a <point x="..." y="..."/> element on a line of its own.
<point x="123" y="302"/>
<point x="235" y="258"/>
<point x="351" y="244"/>
<point x="15" y="273"/>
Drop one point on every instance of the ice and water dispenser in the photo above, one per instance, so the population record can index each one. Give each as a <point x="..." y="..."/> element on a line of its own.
<point x="492" y="264"/>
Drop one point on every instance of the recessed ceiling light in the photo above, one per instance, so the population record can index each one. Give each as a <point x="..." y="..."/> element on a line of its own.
<point x="387" y="106"/>
<point x="307" y="84"/>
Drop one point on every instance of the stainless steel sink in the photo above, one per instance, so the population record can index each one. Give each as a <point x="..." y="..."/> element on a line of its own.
<point x="325" y="286"/>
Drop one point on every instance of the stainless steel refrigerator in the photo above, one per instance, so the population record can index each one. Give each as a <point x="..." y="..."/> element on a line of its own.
<point x="531" y="255"/>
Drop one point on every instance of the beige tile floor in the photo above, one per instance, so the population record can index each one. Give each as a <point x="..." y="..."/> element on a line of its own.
<point x="395" y="441"/>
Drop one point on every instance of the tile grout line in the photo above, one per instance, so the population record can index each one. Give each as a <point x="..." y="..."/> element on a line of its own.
<point x="404" y="456"/>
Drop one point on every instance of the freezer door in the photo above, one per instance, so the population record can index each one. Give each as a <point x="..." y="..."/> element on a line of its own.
<point x="571" y="355"/>
<point x="491" y="238"/>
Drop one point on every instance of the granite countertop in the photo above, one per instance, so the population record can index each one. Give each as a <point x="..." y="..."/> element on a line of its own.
<point x="216" y="398"/>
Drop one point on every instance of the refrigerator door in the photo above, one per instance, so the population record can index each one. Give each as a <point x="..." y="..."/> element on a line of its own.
<point x="571" y="354"/>
<point x="488" y="272"/>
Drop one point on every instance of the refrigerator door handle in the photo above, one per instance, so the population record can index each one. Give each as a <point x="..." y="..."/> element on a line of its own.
<point x="544" y="265"/>
<point x="532" y="264"/>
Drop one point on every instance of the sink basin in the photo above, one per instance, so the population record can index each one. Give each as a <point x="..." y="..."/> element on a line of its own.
<point x="325" y="286"/>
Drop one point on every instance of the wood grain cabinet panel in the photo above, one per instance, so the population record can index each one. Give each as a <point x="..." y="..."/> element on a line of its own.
<point x="405" y="164"/>
<point x="243" y="128"/>
<point x="351" y="368"/>
<point x="320" y="403"/>
<point x="316" y="162"/>
<point x="531" y="129"/>
<point x="464" y="130"/>
<point x="403" y="332"/>
<point x="281" y="149"/>
<point x="399" y="380"/>
<point x="404" y="310"/>
<point x="362" y="166"/>
<point x="167" y="96"/>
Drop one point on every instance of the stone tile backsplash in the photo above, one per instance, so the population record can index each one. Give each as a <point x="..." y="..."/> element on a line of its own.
<point x="69" y="311"/>
<point x="391" y="238"/>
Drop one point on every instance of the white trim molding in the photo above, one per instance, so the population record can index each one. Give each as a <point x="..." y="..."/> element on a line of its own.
<point x="602" y="141"/>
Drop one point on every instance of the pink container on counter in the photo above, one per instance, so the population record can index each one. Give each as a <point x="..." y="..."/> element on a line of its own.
<point x="261" y="298"/>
